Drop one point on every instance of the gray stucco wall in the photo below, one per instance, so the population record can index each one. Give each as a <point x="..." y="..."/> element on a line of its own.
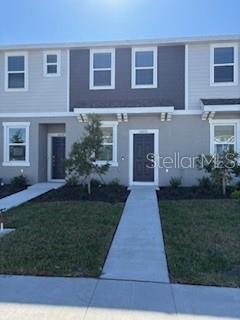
<point x="171" y="83"/>
<point x="188" y="135"/>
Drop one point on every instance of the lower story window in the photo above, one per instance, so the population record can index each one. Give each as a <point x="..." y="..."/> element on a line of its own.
<point x="109" y="145"/>
<point x="224" y="138"/>
<point x="16" y="144"/>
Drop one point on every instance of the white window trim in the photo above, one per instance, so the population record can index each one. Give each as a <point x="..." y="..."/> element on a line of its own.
<point x="112" y="69"/>
<point x="131" y="157"/>
<point x="154" y="67"/>
<point x="235" y="64"/>
<point x="16" y="54"/>
<point x="235" y="123"/>
<point x="6" y="127"/>
<point x="58" y="63"/>
<point x="114" y="125"/>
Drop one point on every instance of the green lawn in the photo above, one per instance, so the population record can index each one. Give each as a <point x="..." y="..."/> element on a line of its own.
<point x="62" y="239"/>
<point x="202" y="239"/>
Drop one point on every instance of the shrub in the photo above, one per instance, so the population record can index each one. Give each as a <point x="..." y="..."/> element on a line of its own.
<point x="115" y="182"/>
<point x="72" y="181"/>
<point x="204" y="183"/>
<point x="19" y="182"/>
<point x="175" y="182"/>
<point x="236" y="195"/>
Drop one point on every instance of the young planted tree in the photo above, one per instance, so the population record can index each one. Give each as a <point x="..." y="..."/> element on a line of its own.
<point x="221" y="167"/>
<point x="82" y="161"/>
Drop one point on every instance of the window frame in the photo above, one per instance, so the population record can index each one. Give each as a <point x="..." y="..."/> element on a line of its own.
<point x="6" y="145"/>
<point x="234" y="64"/>
<point x="25" y="72"/>
<point x="114" y="126"/>
<point x="46" y="64"/>
<point x="154" y="68"/>
<point x="92" y="69"/>
<point x="234" y="123"/>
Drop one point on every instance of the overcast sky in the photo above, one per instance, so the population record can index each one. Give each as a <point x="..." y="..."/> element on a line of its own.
<point x="32" y="21"/>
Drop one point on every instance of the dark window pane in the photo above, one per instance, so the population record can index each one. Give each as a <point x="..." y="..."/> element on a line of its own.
<point x="17" y="135"/>
<point x="144" y="59"/>
<point x="107" y="134"/>
<point x="106" y="153"/>
<point x="221" y="148"/>
<point x="224" y="55"/>
<point x="102" y="78"/>
<point x="16" y="63"/>
<point x="52" y="69"/>
<point x="16" y="80"/>
<point x="102" y="60"/>
<point x="224" y="134"/>
<point x="224" y="74"/>
<point x="144" y="77"/>
<point x="17" y="153"/>
<point x="52" y="58"/>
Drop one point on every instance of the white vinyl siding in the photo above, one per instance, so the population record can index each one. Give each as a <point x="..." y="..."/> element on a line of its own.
<point x="44" y="94"/>
<point x="199" y="78"/>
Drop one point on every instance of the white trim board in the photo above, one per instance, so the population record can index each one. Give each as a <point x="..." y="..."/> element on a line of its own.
<point x="131" y="158"/>
<point x="49" y="155"/>
<point x="133" y="110"/>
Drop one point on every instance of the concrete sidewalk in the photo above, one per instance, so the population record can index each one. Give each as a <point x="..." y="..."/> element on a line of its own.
<point x="34" y="298"/>
<point x="137" y="251"/>
<point x="30" y="193"/>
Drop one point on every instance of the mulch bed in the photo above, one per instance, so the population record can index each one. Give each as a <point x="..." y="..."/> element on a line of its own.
<point x="106" y="193"/>
<point x="8" y="189"/>
<point x="184" y="193"/>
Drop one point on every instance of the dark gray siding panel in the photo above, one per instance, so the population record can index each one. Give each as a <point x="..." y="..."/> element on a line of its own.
<point x="170" y="91"/>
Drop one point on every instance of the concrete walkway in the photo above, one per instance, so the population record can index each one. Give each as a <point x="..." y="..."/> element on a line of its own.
<point x="30" y="193"/>
<point x="137" y="251"/>
<point x="34" y="298"/>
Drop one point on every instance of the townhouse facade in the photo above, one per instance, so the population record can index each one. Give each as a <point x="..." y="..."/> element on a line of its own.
<point x="174" y="98"/>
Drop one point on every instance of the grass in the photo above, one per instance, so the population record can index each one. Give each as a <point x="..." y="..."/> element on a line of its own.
<point x="58" y="239"/>
<point x="202" y="239"/>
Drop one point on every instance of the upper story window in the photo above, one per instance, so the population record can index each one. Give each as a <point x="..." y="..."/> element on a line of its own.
<point x="16" y="68"/>
<point x="109" y="145"/>
<point x="102" y="69"/>
<point x="224" y="64"/>
<point x="144" y="67"/>
<point x="52" y="63"/>
<point x="224" y="138"/>
<point x="16" y="144"/>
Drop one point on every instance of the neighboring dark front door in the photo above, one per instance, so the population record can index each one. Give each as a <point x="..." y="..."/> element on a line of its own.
<point x="58" y="157"/>
<point x="143" y="144"/>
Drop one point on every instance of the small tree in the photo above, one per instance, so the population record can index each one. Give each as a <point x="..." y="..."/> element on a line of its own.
<point x="82" y="158"/>
<point x="221" y="167"/>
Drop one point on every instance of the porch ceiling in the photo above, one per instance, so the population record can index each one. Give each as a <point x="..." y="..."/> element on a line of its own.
<point x="122" y="113"/>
